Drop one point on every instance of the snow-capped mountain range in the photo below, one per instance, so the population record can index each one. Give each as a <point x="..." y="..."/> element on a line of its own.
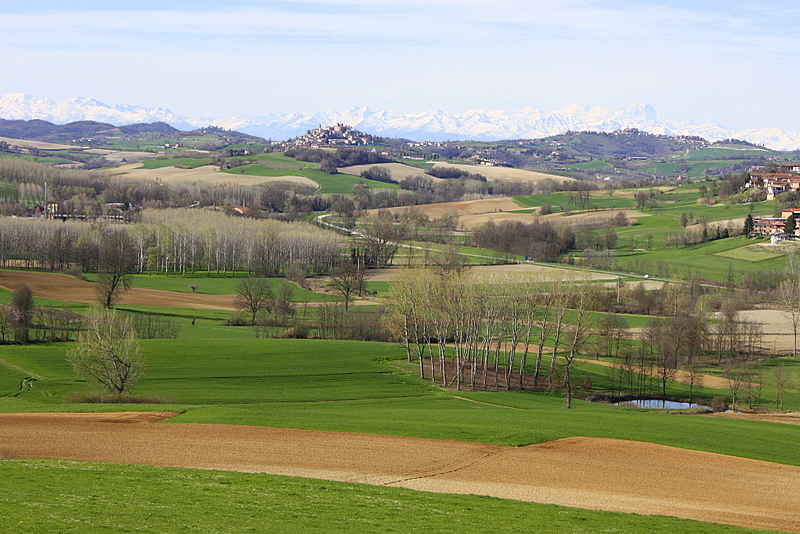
<point x="433" y="125"/>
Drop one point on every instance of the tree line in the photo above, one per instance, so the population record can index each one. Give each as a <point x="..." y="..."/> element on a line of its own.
<point x="171" y="241"/>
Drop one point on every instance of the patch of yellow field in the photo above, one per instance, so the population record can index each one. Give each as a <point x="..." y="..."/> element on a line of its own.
<point x="509" y="174"/>
<point x="398" y="170"/>
<point x="207" y="174"/>
<point x="473" y="221"/>
<point x="777" y="328"/>
<point x="589" y="217"/>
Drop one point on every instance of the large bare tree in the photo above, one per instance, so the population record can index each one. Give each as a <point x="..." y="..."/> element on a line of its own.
<point x="349" y="279"/>
<point x="117" y="262"/>
<point x="20" y="310"/>
<point x="253" y="295"/>
<point x="108" y="352"/>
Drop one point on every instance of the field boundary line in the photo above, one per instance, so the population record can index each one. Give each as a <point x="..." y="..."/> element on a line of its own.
<point x="448" y="471"/>
<point x="487" y="403"/>
<point x="21" y="369"/>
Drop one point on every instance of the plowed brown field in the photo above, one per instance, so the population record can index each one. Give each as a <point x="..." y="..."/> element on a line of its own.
<point x="594" y="473"/>
<point x="68" y="289"/>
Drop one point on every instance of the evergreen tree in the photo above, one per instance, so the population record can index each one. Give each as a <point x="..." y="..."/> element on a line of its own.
<point x="748" y="225"/>
<point x="791" y="224"/>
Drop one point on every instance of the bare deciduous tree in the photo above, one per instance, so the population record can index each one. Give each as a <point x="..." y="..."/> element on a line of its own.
<point x="789" y="298"/>
<point x="348" y="279"/>
<point x="20" y="310"/>
<point x="253" y="295"/>
<point x="117" y="261"/>
<point x="108" y="352"/>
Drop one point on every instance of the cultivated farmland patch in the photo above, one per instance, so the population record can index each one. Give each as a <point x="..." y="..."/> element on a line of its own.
<point x="592" y="473"/>
<point x="750" y="253"/>
<point x="208" y="174"/>
<point x="508" y="174"/>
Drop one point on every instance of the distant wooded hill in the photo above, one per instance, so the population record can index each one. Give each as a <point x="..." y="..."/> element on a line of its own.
<point x="40" y="130"/>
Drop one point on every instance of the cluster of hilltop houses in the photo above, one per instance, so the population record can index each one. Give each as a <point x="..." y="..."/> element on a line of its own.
<point x="339" y="135"/>
<point x="778" y="179"/>
<point x="786" y="177"/>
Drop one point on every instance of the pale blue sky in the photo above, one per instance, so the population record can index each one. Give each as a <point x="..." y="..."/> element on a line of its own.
<point x="736" y="62"/>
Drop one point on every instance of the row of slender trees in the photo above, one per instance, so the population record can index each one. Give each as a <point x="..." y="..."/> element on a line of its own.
<point x="470" y="332"/>
<point x="171" y="241"/>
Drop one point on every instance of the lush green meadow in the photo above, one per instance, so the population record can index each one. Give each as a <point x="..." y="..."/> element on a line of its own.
<point x="276" y="166"/>
<point x="212" y="284"/>
<point x="714" y="260"/>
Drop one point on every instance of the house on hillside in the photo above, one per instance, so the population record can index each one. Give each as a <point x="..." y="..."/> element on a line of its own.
<point x="777" y="236"/>
<point x="768" y="225"/>
<point x="788" y="212"/>
<point x="774" y="183"/>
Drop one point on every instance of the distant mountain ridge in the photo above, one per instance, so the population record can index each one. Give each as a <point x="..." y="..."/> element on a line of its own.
<point x="433" y="125"/>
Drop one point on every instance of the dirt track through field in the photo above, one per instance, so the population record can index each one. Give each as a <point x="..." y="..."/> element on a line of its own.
<point x="594" y="473"/>
<point x="68" y="289"/>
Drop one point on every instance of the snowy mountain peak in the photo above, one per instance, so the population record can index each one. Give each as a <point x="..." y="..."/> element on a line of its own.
<point x="431" y="125"/>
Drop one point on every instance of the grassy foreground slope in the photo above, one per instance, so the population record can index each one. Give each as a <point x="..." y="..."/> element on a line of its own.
<point x="85" y="497"/>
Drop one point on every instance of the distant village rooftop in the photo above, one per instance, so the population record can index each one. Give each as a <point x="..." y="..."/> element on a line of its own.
<point x="339" y="135"/>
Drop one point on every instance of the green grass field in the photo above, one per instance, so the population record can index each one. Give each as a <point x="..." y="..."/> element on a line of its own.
<point x="711" y="260"/>
<point x="213" y="284"/>
<point x="85" y="497"/>
<point x="748" y="254"/>
<point x="277" y="166"/>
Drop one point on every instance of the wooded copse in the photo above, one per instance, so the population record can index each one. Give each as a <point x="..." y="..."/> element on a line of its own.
<point x="472" y="333"/>
<point x="173" y="241"/>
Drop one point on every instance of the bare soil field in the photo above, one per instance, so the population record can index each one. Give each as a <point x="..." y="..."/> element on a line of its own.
<point x="590" y="217"/>
<point x="505" y="272"/>
<point x="593" y="473"/>
<point x="777" y="328"/>
<point x="790" y="418"/>
<point x="36" y="144"/>
<point x="208" y="174"/>
<point x="507" y="174"/>
<point x="68" y="289"/>
<point x="474" y="221"/>
<point x="462" y="207"/>
<point x="119" y="156"/>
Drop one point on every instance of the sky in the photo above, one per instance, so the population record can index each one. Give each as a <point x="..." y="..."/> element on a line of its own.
<point x="731" y="61"/>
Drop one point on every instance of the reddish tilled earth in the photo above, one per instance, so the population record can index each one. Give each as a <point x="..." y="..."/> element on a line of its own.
<point x="594" y="473"/>
<point x="68" y="289"/>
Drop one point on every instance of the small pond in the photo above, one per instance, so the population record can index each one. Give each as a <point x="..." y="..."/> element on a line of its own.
<point x="656" y="404"/>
